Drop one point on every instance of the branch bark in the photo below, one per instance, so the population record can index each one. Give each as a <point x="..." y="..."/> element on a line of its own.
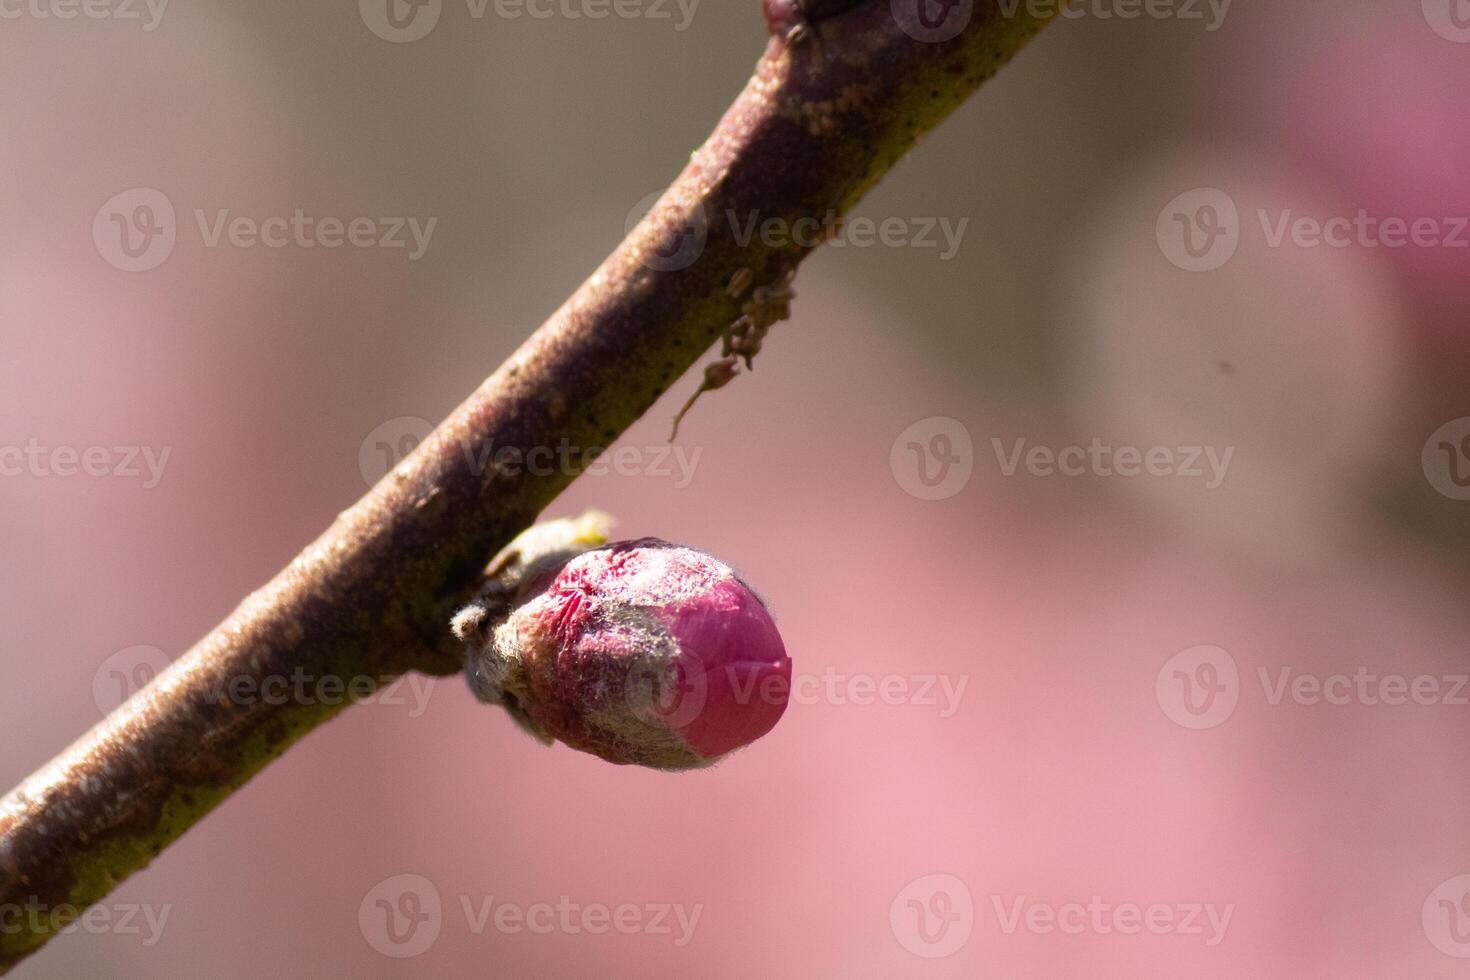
<point x="828" y="111"/>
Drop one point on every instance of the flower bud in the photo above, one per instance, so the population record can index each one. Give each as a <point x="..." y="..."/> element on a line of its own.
<point x="639" y="652"/>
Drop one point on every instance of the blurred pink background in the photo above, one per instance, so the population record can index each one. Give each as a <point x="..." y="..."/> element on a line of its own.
<point x="1068" y="764"/>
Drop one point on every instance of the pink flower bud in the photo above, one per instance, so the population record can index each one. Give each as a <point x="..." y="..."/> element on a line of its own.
<point x="639" y="652"/>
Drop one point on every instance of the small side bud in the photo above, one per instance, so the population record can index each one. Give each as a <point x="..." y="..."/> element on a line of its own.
<point x="792" y="19"/>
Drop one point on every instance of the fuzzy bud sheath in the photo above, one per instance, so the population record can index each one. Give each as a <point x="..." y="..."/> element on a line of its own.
<point x="640" y="652"/>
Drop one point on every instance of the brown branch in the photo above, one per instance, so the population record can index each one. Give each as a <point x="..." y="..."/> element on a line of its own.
<point x="832" y="105"/>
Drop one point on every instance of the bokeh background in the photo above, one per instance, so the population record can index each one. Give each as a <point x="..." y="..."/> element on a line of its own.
<point x="1073" y="762"/>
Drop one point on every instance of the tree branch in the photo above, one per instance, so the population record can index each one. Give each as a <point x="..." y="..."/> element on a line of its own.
<point x="830" y="108"/>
